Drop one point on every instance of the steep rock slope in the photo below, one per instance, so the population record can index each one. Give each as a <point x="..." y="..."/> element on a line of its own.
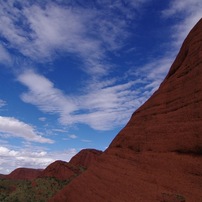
<point x="157" y="156"/>
<point x="24" y="174"/>
<point x="171" y="119"/>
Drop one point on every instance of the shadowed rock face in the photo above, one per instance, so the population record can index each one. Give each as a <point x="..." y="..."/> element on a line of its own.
<point x="157" y="156"/>
<point x="24" y="174"/>
<point x="85" y="157"/>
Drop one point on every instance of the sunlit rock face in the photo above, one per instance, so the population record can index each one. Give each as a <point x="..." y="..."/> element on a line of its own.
<point x="157" y="155"/>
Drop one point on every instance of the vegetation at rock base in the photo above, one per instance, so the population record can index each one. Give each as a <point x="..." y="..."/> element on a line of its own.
<point x="38" y="190"/>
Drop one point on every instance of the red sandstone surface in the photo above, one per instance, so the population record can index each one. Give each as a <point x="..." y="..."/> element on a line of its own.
<point x="158" y="154"/>
<point x="24" y="174"/>
<point x="60" y="170"/>
<point x="65" y="170"/>
<point x="85" y="157"/>
<point x="2" y="176"/>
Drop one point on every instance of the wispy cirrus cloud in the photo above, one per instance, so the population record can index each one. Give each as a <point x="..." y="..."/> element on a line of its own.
<point x="12" y="127"/>
<point x="102" y="106"/>
<point x="188" y="13"/>
<point x="5" y="57"/>
<point x="152" y="73"/>
<point x="186" y="7"/>
<point x="43" y="94"/>
<point x="51" y="28"/>
<point x="41" y="30"/>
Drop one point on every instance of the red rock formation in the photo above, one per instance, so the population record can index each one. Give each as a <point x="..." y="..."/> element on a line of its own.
<point x="171" y="119"/>
<point x="2" y="176"/>
<point x="157" y="156"/>
<point x="24" y="174"/>
<point x="65" y="170"/>
<point x="60" y="170"/>
<point x="85" y="157"/>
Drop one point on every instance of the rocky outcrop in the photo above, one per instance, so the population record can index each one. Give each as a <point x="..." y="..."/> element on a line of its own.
<point x="61" y="170"/>
<point x="157" y="156"/>
<point x="68" y="170"/>
<point x="24" y="174"/>
<point x="85" y="157"/>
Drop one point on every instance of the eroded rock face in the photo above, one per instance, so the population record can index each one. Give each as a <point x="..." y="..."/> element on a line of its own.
<point x="24" y="174"/>
<point x="157" y="156"/>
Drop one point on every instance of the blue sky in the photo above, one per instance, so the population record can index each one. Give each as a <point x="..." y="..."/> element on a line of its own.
<point x="73" y="72"/>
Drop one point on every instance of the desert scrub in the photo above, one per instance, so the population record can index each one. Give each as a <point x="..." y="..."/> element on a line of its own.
<point x="38" y="190"/>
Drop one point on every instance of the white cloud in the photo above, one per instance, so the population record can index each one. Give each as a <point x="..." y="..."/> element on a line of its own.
<point x="102" y="106"/>
<point x="41" y="31"/>
<point x="52" y="28"/>
<point x="15" y="128"/>
<point x="152" y="74"/>
<point x="105" y="107"/>
<point x="188" y="13"/>
<point x="56" y="27"/>
<point x="5" y="152"/>
<point x="11" y="159"/>
<point x="185" y="6"/>
<point x="43" y="94"/>
<point x="5" y="57"/>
